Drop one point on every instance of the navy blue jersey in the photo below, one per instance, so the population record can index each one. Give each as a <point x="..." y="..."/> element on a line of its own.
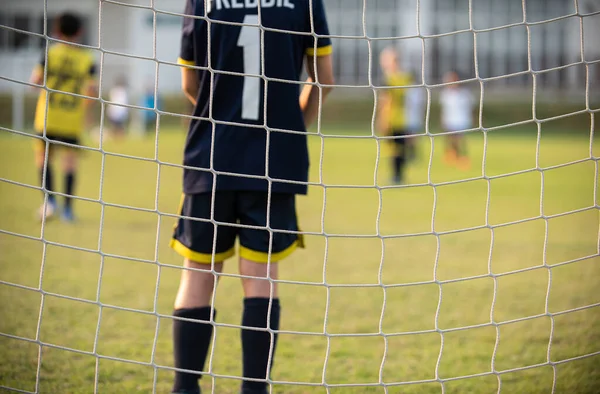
<point x="242" y="114"/>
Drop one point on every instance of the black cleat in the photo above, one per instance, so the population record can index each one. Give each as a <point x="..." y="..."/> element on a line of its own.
<point x="198" y="391"/>
<point x="251" y="391"/>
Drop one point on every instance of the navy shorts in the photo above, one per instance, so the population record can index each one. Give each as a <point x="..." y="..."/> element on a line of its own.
<point x="40" y="144"/>
<point x="400" y="136"/>
<point x="399" y="139"/>
<point x="194" y="239"/>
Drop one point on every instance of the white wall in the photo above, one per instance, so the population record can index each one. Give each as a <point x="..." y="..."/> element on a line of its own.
<point x="129" y="31"/>
<point x="113" y="37"/>
<point x="161" y="44"/>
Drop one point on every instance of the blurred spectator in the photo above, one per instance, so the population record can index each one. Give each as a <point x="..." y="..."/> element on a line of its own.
<point x="457" y="115"/>
<point x="152" y="102"/>
<point x="117" y="111"/>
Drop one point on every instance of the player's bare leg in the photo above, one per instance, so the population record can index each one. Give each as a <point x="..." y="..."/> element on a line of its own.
<point x="46" y="211"/>
<point x="196" y="286"/>
<point x="258" y="347"/>
<point x="450" y="154"/>
<point x="259" y="284"/>
<point x="191" y="340"/>
<point x="70" y="160"/>
<point x="118" y="130"/>
<point x="463" y="161"/>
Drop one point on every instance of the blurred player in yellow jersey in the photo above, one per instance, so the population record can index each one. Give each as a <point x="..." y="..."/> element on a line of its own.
<point x="59" y="117"/>
<point x="392" y="119"/>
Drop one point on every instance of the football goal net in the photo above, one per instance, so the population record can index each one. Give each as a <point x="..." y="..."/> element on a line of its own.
<point x="454" y="248"/>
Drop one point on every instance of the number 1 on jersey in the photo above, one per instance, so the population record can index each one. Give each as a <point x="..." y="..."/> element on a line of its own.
<point x="249" y="40"/>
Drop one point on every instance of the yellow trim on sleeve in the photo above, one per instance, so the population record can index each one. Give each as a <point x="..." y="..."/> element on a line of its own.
<point x="202" y="258"/>
<point x="321" y="51"/>
<point x="184" y="62"/>
<point x="263" y="257"/>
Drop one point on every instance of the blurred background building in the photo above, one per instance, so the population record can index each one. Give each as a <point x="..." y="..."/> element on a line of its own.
<point x="504" y="47"/>
<point x="130" y="38"/>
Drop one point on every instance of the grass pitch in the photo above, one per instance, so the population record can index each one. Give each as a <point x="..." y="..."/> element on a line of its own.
<point x="455" y="276"/>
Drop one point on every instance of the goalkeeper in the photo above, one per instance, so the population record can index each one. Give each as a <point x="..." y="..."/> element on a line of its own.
<point x="226" y="150"/>
<point x="60" y="117"/>
<point x="392" y="120"/>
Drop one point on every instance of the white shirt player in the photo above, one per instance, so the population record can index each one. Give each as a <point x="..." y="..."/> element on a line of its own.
<point x="118" y="95"/>
<point x="415" y="111"/>
<point x="457" y="108"/>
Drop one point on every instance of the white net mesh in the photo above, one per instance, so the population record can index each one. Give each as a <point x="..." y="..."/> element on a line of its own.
<point x="481" y="280"/>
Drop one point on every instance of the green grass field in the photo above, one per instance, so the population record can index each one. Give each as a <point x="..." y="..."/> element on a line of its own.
<point x="402" y="297"/>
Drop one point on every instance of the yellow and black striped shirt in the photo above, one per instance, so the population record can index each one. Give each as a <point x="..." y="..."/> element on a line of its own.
<point x="68" y="69"/>
<point x="396" y="112"/>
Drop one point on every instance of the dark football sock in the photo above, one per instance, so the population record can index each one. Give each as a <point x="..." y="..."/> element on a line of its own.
<point x="191" y="341"/>
<point x="256" y="345"/>
<point x="69" y="184"/>
<point x="450" y="145"/>
<point x="461" y="148"/>
<point x="49" y="184"/>
<point x="398" y="164"/>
